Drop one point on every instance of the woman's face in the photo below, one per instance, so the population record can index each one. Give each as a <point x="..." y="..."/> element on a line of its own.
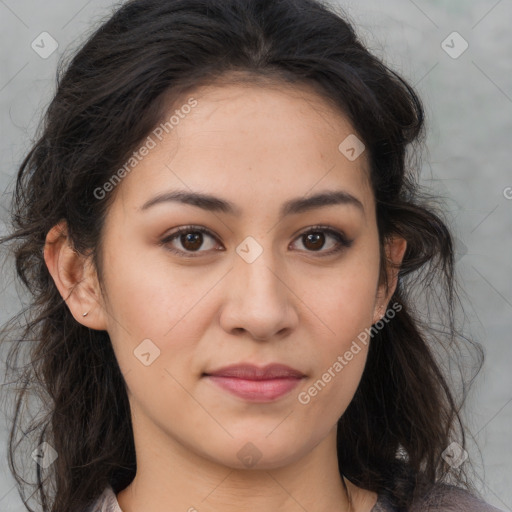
<point x="252" y="288"/>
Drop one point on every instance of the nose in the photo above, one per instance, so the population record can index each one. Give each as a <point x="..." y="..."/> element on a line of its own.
<point x="259" y="300"/>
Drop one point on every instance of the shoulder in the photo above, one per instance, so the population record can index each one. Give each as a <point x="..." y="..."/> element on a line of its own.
<point x="106" y="502"/>
<point x="449" y="498"/>
<point x="441" y="498"/>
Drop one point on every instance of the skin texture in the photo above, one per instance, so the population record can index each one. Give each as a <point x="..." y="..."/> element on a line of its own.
<point x="256" y="147"/>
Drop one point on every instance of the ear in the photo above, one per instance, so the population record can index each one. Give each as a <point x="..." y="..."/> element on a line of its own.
<point x="75" y="277"/>
<point x="394" y="249"/>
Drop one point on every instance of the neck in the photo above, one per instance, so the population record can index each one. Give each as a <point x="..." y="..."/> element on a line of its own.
<point x="174" y="478"/>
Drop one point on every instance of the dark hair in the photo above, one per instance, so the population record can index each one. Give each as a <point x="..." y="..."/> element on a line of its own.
<point x="112" y="93"/>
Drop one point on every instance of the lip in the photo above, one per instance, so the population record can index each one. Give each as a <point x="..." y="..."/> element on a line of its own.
<point x="254" y="383"/>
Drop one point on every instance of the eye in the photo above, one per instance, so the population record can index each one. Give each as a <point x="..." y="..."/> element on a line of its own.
<point x="314" y="240"/>
<point x="192" y="239"/>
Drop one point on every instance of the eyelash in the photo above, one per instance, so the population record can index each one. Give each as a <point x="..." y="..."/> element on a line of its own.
<point x="343" y="242"/>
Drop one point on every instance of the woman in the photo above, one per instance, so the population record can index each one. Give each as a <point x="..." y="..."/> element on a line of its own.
<point x="223" y="237"/>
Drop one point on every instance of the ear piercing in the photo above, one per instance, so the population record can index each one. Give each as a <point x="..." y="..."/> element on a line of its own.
<point x="86" y="313"/>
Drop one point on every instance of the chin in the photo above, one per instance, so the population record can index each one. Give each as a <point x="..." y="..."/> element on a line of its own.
<point x="259" y="453"/>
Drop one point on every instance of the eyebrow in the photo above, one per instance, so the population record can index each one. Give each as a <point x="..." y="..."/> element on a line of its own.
<point x="292" y="206"/>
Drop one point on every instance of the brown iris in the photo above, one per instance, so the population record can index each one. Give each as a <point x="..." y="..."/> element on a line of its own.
<point x="316" y="239"/>
<point x="192" y="241"/>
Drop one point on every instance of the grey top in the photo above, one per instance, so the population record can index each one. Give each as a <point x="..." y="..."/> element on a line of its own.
<point x="443" y="498"/>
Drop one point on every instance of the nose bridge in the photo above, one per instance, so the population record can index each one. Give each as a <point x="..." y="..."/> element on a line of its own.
<point x="258" y="299"/>
<point x="257" y="267"/>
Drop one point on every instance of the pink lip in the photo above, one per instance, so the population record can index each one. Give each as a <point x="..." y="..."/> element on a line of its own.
<point x="254" y="383"/>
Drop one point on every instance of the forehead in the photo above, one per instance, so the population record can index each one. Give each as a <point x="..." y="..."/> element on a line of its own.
<point x="252" y="142"/>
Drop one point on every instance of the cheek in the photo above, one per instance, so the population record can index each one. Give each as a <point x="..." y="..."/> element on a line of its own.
<point x="344" y="306"/>
<point x="154" y="302"/>
<point x="150" y="294"/>
<point x="343" y="299"/>
<point x="340" y="356"/>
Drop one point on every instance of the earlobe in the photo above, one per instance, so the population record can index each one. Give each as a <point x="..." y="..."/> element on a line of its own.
<point x="75" y="278"/>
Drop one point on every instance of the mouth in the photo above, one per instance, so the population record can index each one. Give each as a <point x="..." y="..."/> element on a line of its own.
<point x="256" y="384"/>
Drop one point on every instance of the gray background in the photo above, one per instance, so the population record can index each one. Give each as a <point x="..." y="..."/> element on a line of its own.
<point x="469" y="108"/>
